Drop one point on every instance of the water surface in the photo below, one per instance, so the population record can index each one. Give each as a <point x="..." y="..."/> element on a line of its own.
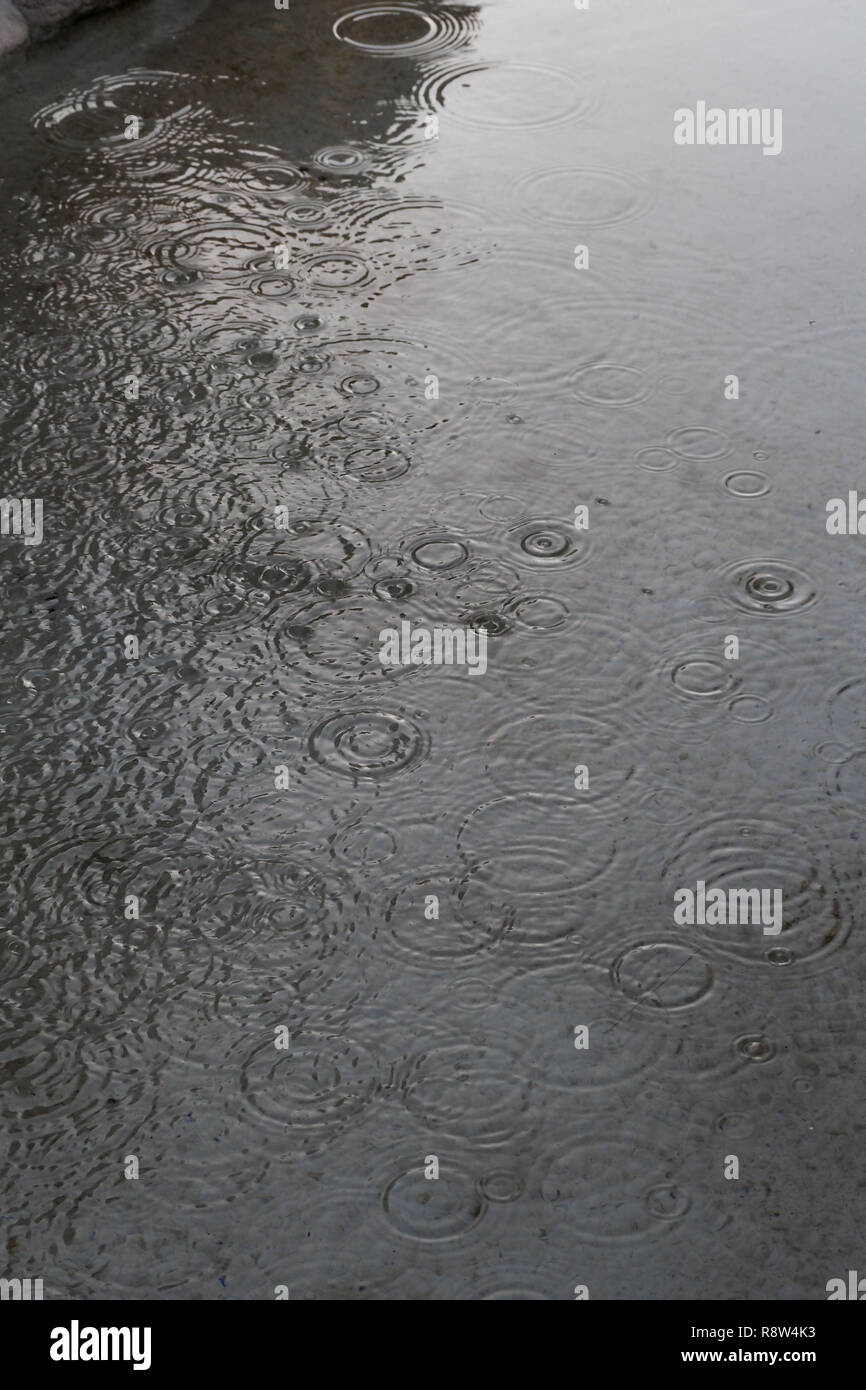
<point x="426" y="382"/>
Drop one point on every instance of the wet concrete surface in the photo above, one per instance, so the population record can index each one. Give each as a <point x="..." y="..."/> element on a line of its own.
<point x="282" y="924"/>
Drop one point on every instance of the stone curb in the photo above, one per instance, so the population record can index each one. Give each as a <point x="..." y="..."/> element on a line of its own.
<point x="38" y="19"/>
<point x="14" y="30"/>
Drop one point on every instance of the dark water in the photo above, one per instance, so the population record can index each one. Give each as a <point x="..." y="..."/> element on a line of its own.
<point x="412" y="254"/>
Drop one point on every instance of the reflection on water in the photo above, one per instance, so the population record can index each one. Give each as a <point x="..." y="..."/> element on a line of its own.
<point x="296" y="349"/>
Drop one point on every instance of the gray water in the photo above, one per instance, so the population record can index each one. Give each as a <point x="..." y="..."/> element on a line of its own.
<point x="431" y="388"/>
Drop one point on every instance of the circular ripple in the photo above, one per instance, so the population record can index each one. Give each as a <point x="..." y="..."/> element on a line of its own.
<point x="536" y="843"/>
<point x="748" y="484"/>
<point x="667" y="1202"/>
<point x="754" y="1047"/>
<point x="88" y="877"/>
<point x="308" y="323"/>
<point x="539" y="613"/>
<point x="703" y="676"/>
<point x="363" y="844"/>
<point x="849" y="780"/>
<point x="280" y="916"/>
<point x="338" y="643"/>
<point x="728" y="853"/>
<point x="377" y="464"/>
<point x="548" y="544"/>
<point x="306" y="213"/>
<point x="611" y="384"/>
<point x="615" y="1190"/>
<point x="366" y="423"/>
<point x="391" y="588"/>
<point x="847" y="709"/>
<point x="700" y="444"/>
<point x="312" y="1089"/>
<point x="668" y="805"/>
<point x="506" y="96"/>
<point x="618" y="351"/>
<point x="772" y="587"/>
<point x="471" y="993"/>
<point x="48" y="1089"/>
<point x="337" y="270"/>
<point x="400" y="365"/>
<point x="750" y="709"/>
<point x="487" y="620"/>
<point x="541" y="750"/>
<point x="489" y="581"/>
<point x="215" y="248"/>
<point x="610" y="660"/>
<point x="341" y="159"/>
<point x="832" y="752"/>
<point x="272" y="286"/>
<point x="471" y="1090"/>
<point x="583" y="197"/>
<point x="263" y="173"/>
<point x="445" y="237"/>
<point x="662" y="975"/>
<point x="433" y="1210"/>
<point x="94" y="118"/>
<point x="473" y="513"/>
<point x="399" y="31"/>
<point x="367" y="745"/>
<point x="77" y="356"/>
<point x="502" y="1185"/>
<point x="338" y="1218"/>
<point x="456" y="934"/>
<point x="312" y="547"/>
<point x="780" y="955"/>
<point x="656" y="460"/>
<point x="694" y="687"/>
<point x="616" y="1051"/>
<point x="359" y="385"/>
<point x="439" y="553"/>
<point x="736" y="1125"/>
